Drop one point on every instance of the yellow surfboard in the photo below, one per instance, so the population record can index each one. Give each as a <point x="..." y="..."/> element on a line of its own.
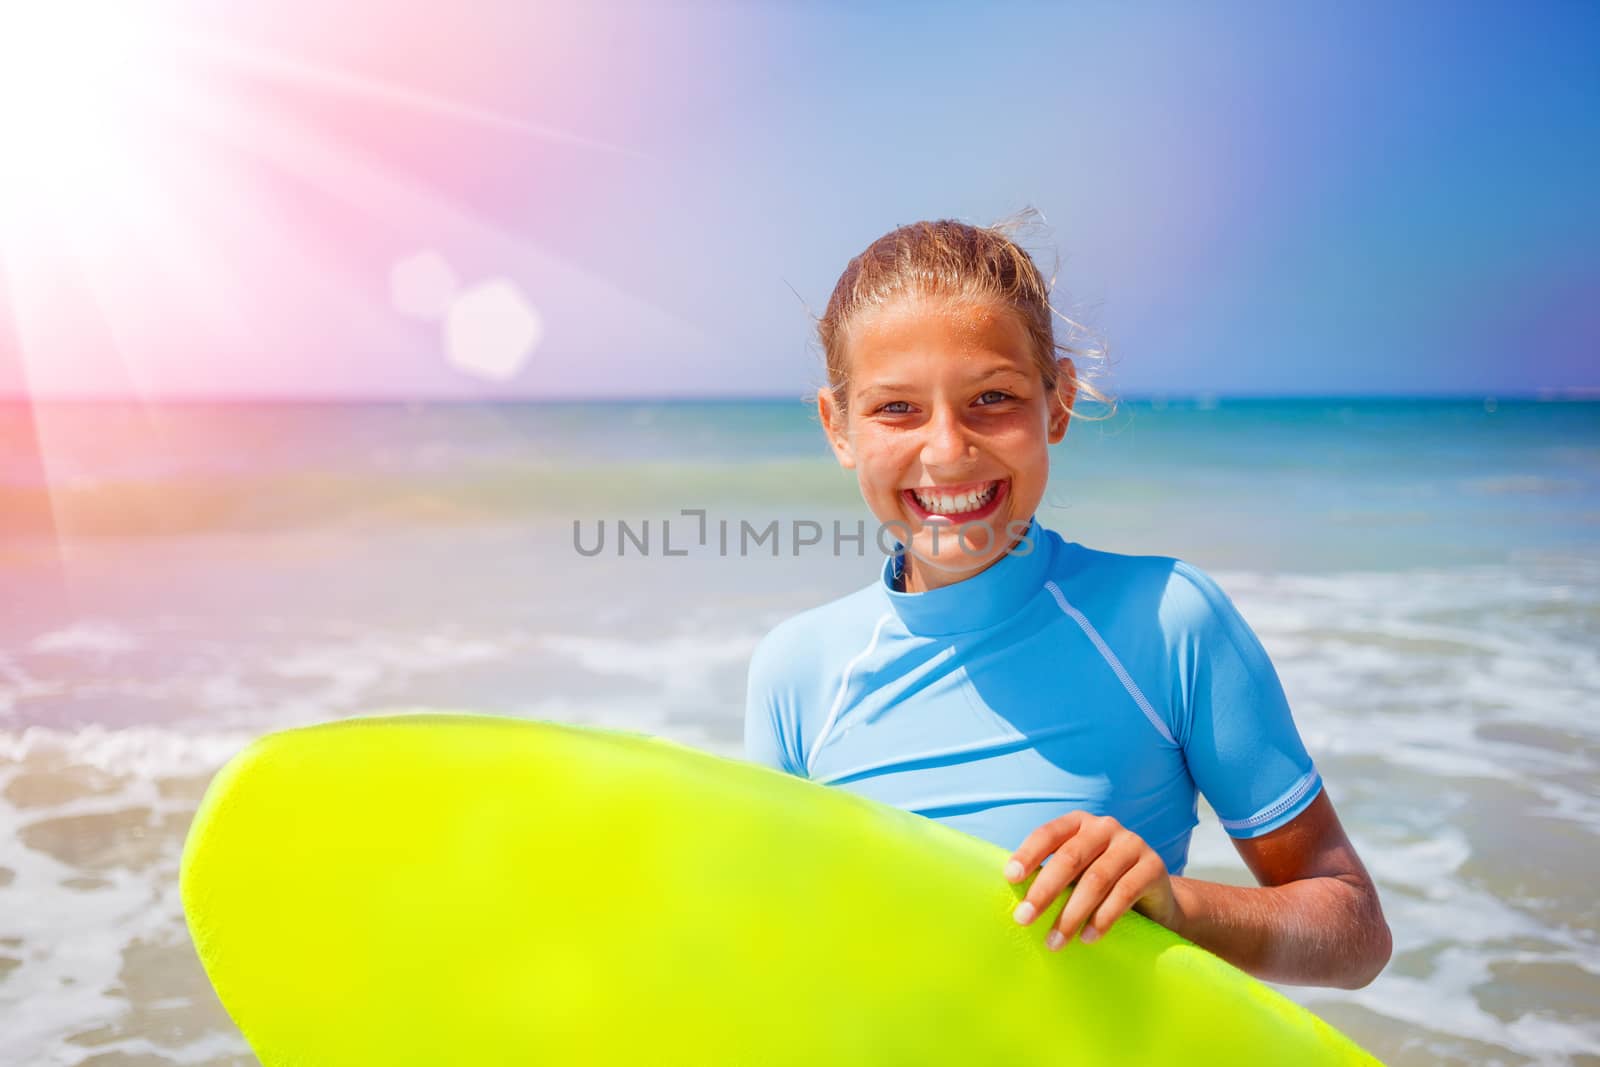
<point x="476" y="890"/>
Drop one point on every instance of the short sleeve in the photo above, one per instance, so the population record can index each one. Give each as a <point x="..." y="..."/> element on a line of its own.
<point x="765" y="712"/>
<point x="1237" y="732"/>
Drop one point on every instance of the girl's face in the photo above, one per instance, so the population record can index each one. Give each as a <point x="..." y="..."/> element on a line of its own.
<point x="947" y="426"/>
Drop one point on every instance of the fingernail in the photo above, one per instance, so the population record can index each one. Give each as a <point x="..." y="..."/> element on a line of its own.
<point x="1089" y="936"/>
<point x="1054" y="941"/>
<point x="1013" y="871"/>
<point x="1024" y="913"/>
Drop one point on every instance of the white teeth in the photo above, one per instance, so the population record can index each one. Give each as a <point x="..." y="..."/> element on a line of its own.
<point x="945" y="504"/>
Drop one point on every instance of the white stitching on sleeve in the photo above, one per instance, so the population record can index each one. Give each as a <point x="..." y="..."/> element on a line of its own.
<point x="1301" y="788"/>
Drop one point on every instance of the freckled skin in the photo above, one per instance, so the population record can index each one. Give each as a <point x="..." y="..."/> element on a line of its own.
<point x="945" y="394"/>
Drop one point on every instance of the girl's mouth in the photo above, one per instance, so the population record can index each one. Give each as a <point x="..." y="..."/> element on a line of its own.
<point x="954" y="504"/>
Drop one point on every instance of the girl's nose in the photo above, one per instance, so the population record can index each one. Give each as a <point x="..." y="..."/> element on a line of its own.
<point x="946" y="444"/>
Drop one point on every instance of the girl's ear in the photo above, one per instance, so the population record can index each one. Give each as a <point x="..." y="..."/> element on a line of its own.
<point x="1061" y="398"/>
<point x="834" y="425"/>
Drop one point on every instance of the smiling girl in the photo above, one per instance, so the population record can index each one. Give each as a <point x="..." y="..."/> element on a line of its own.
<point x="1066" y="703"/>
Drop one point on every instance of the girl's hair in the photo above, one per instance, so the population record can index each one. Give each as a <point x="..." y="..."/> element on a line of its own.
<point x="969" y="264"/>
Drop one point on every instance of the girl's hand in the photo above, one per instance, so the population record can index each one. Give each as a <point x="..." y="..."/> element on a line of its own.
<point x="1111" y="867"/>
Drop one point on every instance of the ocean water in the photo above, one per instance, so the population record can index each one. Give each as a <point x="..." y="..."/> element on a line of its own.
<point x="176" y="580"/>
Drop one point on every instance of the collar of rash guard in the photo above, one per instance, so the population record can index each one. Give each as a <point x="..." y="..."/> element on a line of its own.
<point x="980" y="601"/>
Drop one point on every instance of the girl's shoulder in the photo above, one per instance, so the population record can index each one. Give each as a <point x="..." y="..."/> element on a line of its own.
<point x="1184" y="646"/>
<point x="1178" y="595"/>
<point x="818" y="636"/>
<point x="794" y="671"/>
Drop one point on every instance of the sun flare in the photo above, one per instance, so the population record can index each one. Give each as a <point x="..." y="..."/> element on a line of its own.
<point x="194" y="198"/>
<point x="78" y="83"/>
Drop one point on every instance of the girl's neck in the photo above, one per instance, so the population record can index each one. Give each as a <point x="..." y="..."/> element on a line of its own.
<point x="915" y="577"/>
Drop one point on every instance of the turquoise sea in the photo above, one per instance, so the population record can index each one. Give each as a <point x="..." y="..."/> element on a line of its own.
<point x="176" y="579"/>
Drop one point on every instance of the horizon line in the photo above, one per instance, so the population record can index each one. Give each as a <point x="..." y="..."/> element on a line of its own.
<point x="1556" y="393"/>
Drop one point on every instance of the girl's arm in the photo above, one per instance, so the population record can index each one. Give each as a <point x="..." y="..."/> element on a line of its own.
<point x="1315" y="920"/>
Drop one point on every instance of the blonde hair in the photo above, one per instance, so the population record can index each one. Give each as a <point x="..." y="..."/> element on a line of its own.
<point x="969" y="264"/>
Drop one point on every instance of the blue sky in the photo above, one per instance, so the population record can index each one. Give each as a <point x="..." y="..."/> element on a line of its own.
<point x="1245" y="198"/>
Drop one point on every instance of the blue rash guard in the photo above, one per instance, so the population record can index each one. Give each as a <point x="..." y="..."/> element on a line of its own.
<point x="1060" y="678"/>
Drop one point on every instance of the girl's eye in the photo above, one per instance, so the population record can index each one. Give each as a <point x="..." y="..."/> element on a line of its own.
<point x="1001" y="394"/>
<point x="895" y="407"/>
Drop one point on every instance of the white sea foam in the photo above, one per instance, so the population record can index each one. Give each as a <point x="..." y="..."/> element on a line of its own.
<point x="680" y="663"/>
<point x="146" y="753"/>
<point x="1437" y="676"/>
<point x="353" y="665"/>
<point x="16" y="685"/>
<point x="96" y="636"/>
<point x="72" y="940"/>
